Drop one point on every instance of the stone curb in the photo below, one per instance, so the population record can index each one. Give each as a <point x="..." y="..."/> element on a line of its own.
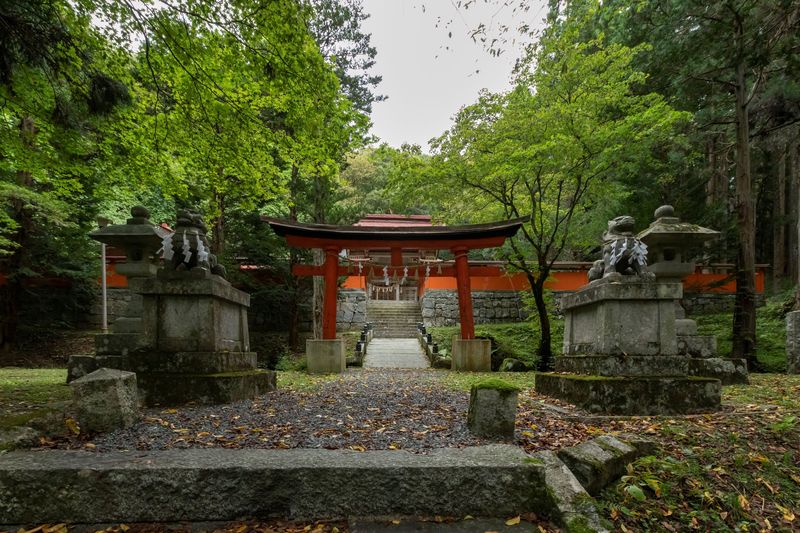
<point x="218" y="484"/>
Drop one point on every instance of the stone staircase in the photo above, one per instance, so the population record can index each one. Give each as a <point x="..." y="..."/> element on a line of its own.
<point x="395" y="353"/>
<point x="392" y="319"/>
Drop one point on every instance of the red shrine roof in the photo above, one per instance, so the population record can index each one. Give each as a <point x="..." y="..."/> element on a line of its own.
<point x="391" y="220"/>
<point x="407" y="236"/>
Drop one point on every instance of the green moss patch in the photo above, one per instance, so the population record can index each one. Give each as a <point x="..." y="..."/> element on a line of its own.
<point x="496" y="384"/>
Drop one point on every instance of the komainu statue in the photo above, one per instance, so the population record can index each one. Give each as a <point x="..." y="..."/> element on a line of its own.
<point x="623" y="253"/>
<point x="188" y="247"/>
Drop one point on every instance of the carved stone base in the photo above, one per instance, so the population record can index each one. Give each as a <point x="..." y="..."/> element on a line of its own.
<point x="633" y="396"/>
<point x="162" y="389"/>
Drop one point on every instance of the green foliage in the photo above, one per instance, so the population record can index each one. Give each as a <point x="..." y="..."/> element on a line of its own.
<point x="770" y="333"/>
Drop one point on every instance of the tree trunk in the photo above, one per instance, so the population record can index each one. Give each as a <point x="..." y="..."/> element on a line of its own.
<point x="294" y="283"/>
<point x="779" y="223"/>
<point x="794" y="211"/>
<point x="218" y="228"/>
<point x="744" y="313"/>
<point x="545" y="351"/>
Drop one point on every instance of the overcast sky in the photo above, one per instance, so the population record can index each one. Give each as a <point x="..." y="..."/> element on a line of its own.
<point x="427" y="75"/>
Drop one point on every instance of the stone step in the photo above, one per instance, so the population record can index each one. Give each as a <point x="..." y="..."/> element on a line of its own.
<point x="55" y="486"/>
<point x="403" y="352"/>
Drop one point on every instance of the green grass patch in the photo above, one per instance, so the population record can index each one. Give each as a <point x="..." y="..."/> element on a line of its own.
<point x="465" y="380"/>
<point x="770" y="334"/>
<point x="33" y="385"/>
<point x="301" y="381"/>
<point x="519" y="340"/>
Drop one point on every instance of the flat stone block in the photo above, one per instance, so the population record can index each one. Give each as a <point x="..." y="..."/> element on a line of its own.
<point x="598" y="462"/>
<point x="106" y="400"/>
<point x="80" y="365"/>
<point x="492" y="412"/>
<point x="472" y="355"/>
<point x="728" y="371"/>
<point x="697" y="345"/>
<point x="325" y="356"/>
<point x="620" y="365"/>
<point x="217" y="484"/>
<point x="633" y="395"/>
<point x="624" y="289"/>
<point x="161" y="389"/>
<point x="685" y="326"/>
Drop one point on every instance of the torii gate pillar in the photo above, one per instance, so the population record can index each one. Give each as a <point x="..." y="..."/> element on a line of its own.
<point x="469" y="353"/>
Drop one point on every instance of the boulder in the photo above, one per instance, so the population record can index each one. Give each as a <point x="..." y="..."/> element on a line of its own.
<point x="106" y="400"/>
<point x="510" y="364"/>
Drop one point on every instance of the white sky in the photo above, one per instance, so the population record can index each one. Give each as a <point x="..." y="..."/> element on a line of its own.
<point x="425" y="81"/>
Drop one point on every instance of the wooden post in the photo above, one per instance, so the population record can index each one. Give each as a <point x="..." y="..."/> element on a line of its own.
<point x="464" y="293"/>
<point x="329" y="299"/>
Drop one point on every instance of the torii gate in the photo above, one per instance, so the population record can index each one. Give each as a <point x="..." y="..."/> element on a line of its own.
<point x="458" y="239"/>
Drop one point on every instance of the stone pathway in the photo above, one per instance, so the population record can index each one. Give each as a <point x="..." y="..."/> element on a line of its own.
<point x="395" y="353"/>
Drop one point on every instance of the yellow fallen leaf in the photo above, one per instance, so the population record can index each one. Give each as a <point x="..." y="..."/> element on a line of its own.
<point x="513" y="521"/>
<point x="744" y="503"/>
<point x="396" y="522"/>
<point x="169" y="411"/>
<point x="73" y="426"/>
<point x="124" y="527"/>
<point x="358" y="448"/>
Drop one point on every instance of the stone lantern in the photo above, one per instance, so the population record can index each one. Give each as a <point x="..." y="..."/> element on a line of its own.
<point x="669" y="242"/>
<point x="140" y="239"/>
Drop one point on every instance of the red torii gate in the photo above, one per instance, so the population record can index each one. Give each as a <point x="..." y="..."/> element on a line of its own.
<point x="458" y="239"/>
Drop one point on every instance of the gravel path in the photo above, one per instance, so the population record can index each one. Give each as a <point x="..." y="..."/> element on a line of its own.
<point x="364" y="410"/>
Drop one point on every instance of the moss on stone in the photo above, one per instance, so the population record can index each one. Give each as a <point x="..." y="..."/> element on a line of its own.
<point x="579" y="524"/>
<point x="496" y="384"/>
<point x="22" y="419"/>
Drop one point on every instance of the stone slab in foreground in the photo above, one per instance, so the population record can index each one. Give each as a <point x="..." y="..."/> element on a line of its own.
<point x="218" y="484"/>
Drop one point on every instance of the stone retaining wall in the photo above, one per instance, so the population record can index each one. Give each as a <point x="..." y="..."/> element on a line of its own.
<point x="440" y="307"/>
<point x="351" y="309"/>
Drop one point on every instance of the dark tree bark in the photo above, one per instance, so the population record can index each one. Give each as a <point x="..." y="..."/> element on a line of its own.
<point x="744" y="314"/>
<point x="545" y="350"/>
<point x="779" y="221"/>
<point x="294" y="283"/>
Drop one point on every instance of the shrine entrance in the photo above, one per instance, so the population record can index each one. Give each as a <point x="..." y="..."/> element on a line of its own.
<point x="392" y="259"/>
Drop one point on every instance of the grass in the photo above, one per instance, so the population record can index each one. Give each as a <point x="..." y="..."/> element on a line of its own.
<point x="723" y="472"/>
<point x="301" y="381"/>
<point x="519" y="340"/>
<point x="25" y="393"/>
<point x="770" y="333"/>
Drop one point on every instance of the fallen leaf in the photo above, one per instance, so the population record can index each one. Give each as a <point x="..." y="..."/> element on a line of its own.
<point x="513" y="521"/>
<point x="73" y="426"/>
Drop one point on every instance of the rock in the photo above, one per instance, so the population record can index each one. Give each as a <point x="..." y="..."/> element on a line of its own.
<point x="600" y="461"/>
<point x="80" y="365"/>
<point x="18" y="437"/>
<point x="442" y="362"/>
<point x="106" y="400"/>
<point x="510" y="364"/>
<point x="575" y="510"/>
<point x="492" y="409"/>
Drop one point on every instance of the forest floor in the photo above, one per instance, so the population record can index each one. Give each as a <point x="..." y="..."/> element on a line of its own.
<point x="738" y="469"/>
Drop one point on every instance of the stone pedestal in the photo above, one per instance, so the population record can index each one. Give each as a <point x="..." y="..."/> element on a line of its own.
<point x="621" y="352"/>
<point x="197" y="345"/>
<point x="325" y="356"/>
<point x="793" y="342"/>
<point x="492" y="410"/>
<point x="472" y="355"/>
